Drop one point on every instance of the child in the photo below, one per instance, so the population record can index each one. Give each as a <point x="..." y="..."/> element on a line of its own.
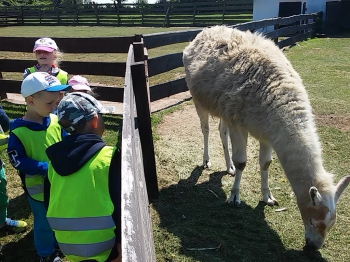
<point x="48" y="56"/>
<point x="79" y="84"/>
<point x="5" y="222"/>
<point x="82" y="188"/>
<point x="29" y="138"/>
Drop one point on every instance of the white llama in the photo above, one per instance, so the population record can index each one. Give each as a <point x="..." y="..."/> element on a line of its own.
<point x="246" y="80"/>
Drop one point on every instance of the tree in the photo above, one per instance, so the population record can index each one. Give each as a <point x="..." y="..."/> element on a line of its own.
<point x="140" y="2"/>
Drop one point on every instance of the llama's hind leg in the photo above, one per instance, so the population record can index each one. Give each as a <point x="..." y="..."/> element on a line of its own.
<point x="204" y="120"/>
<point x="265" y="159"/>
<point x="223" y="128"/>
<point x="239" y="157"/>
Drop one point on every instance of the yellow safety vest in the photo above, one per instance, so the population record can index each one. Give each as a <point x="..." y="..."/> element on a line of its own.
<point x="80" y="209"/>
<point x="62" y="75"/>
<point x="35" y="144"/>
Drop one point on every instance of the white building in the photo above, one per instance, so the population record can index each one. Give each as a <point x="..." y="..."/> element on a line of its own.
<point x="263" y="9"/>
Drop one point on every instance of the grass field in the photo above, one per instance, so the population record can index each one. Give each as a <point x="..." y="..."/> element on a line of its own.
<point x="191" y="212"/>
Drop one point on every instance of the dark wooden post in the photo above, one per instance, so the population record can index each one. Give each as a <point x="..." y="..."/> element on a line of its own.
<point x="223" y="11"/>
<point x="139" y="78"/>
<point x="117" y="6"/>
<point x="40" y="14"/>
<point x="58" y="15"/>
<point x="77" y="13"/>
<point x="194" y="14"/>
<point x="22" y="15"/>
<point x="96" y="13"/>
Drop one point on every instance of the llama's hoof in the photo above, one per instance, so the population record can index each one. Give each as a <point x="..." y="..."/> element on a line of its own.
<point x="231" y="171"/>
<point x="206" y="164"/>
<point x="234" y="201"/>
<point x="272" y="202"/>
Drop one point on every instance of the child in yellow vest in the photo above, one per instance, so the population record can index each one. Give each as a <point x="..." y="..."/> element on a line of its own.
<point x="29" y="138"/>
<point x="48" y="56"/>
<point x="83" y="189"/>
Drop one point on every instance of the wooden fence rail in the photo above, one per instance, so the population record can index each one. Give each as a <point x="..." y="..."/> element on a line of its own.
<point x="172" y="14"/>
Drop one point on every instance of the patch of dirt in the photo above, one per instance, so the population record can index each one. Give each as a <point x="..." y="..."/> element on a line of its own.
<point x="341" y="122"/>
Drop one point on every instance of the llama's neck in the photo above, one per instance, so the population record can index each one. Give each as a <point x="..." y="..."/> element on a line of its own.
<point x="299" y="152"/>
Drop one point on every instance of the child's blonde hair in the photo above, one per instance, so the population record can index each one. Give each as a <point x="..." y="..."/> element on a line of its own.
<point x="58" y="56"/>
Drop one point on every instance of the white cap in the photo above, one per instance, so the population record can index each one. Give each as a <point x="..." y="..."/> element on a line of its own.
<point x="41" y="81"/>
<point x="45" y="44"/>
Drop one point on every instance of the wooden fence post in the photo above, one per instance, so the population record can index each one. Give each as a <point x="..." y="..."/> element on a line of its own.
<point x="76" y="14"/>
<point x="22" y="15"/>
<point x="58" y="15"/>
<point x="39" y="14"/>
<point x="166" y="18"/>
<point x="194" y="14"/>
<point x="139" y="79"/>
<point x="117" y="6"/>
<point x="223" y="11"/>
<point x="96" y="14"/>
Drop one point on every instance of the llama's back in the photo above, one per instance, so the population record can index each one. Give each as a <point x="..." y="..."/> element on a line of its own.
<point x="245" y="79"/>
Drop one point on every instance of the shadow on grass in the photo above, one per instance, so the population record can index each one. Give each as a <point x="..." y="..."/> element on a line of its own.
<point x="19" y="207"/>
<point x="200" y="217"/>
<point x="20" y="250"/>
<point x="20" y="247"/>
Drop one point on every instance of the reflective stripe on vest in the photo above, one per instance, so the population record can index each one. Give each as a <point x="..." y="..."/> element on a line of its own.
<point x="78" y="224"/>
<point x="36" y="188"/>
<point x="35" y="144"/>
<point x="62" y="75"/>
<point x="87" y="250"/>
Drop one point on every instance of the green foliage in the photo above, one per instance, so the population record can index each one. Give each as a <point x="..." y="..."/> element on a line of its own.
<point x="39" y="2"/>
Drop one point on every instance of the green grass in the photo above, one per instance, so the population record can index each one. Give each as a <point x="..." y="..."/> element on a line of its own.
<point x="187" y="214"/>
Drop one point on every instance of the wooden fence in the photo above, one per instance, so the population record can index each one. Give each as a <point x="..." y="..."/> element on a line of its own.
<point x="137" y="236"/>
<point x="114" y="14"/>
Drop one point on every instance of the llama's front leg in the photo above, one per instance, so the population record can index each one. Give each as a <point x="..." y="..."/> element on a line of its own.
<point x="265" y="159"/>
<point x="223" y="128"/>
<point x="239" y="157"/>
<point x="204" y="120"/>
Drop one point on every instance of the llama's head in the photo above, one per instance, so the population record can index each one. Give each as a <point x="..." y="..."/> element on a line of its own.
<point x="319" y="214"/>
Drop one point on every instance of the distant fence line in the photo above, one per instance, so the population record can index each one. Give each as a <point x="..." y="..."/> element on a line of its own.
<point x="114" y="14"/>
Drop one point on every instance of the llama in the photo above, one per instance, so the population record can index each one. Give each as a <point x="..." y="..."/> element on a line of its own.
<point x="244" y="79"/>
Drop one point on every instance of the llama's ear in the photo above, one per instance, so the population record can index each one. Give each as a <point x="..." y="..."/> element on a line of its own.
<point x="315" y="196"/>
<point x="342" y="184"/>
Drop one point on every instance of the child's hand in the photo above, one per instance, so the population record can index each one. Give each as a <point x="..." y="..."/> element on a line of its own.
<point x="44" y="68"/>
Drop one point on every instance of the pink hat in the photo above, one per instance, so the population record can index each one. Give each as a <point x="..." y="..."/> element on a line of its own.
<point x="79" y="83"/>
<point x="45" y="44"/>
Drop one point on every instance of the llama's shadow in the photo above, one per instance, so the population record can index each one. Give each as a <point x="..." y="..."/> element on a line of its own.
<point x="211" y="230"/>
